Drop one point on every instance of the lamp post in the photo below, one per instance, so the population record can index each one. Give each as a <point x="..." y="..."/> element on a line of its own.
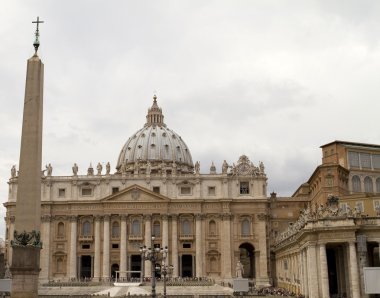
<point x="165" y="270"/>
<point x="154" y="255"/>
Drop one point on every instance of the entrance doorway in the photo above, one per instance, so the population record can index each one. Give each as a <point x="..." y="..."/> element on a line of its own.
<point x="337" y="267"/>
<point x="85" y="268"/>
<point x="114" y="268"/>
<point x="187" y="265"/>
<point x="135" y="265"/>
<point x="332" y="272"/>
<point x="247" y="258"/>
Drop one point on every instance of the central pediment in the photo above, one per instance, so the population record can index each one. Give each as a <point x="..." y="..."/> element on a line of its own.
<point x="136" y="193"/>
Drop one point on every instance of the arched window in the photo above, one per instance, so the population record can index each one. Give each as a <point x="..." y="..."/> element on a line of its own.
<point x="356" y="186"/>
<point x="61" y="229"/>
<point x="115" y="229"/>
<point x="212" y="227"/>
<point x="136" y="229"/>
<point x="368" y="185"/>
<point x="156" y="229"/>
<point x="378" y="185"/>
<point x="186" y="227"/>
<point x="245" y="227"/>
<point x="86" y="228"/>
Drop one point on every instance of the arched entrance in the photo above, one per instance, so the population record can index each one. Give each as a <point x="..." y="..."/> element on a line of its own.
<point x="114" y="268"/>
<point x="247" y="258"/>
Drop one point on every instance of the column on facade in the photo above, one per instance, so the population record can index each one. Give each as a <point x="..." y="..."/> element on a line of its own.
<point x="106" y="247"/>
<point x="355" y="289"/>
<point x="165" y="234"/>
<point x="11" y="232"/>
<point x="198" y="245"/>
<point x="263" y="262"/>
<point x="148" y="243"/>
<point x="312" y="271"/>
<point x="73" y="248"/>
<point x="324" y="278"/>
<point x="174" y="250"/>
<point x="226" y="246"/>
<point x="97" y="249"/>
<point x="305" y="274"/>
<point x="45" y="251"/>
<point x="123" y="246"/>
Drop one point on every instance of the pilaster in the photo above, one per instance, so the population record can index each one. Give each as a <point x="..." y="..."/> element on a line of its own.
<point x="73" y="248"/>
<point x="123" y="245"/>
<point x="106" y="247"/>
<point x="174" y="218"/>
<point x="97" y="249"/>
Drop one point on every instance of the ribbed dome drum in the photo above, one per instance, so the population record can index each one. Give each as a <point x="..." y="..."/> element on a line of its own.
<point x="155" y="147"/>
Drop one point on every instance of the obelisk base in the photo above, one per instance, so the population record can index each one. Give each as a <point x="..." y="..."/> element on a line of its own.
<point x="25" y="270"/>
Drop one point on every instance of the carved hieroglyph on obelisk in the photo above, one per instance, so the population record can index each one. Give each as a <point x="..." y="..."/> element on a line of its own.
<point x="26" y="244"/>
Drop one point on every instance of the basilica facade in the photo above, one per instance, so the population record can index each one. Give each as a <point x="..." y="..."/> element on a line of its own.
<point x="94" y="223"/>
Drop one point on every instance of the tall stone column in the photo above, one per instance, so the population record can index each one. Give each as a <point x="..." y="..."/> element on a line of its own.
<point x="226" y="246"/>
<point x="11" y="231"/>
<point x="354" y="270"/>
<point x="312" y="270"/>
<point x="262" y="279"/>
<point x="123" y="246"/>
<point x="198" y="245"/>
<point x="148" y="243"/>
<point x="305" y="274"/>
<point x="361" y="243"/>
<point x="45" y="252"/>
<point x="97" y="249"/>
<point x="165" y="234"/>
<point x="26" y="245"/>
<point x="324" y="280"/>
<point x="106" y="247"/>
<point x="175" y="244"/>
<point x="73" y="248"/>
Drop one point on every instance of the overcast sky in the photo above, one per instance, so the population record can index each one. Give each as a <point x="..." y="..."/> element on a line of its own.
<point x="270" y="79"/>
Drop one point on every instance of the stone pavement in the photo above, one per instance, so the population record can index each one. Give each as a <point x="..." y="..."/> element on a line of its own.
<point x="135" y="290"/>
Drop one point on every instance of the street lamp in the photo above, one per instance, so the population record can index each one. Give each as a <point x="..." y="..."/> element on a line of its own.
<point x="165" y="270"/>
<point x="154" y="255"/>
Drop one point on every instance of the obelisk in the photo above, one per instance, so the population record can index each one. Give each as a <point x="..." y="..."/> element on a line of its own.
<point x="26" y="245"/>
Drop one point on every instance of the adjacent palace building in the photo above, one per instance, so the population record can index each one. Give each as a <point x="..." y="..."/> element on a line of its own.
<point x="316" y="242"/>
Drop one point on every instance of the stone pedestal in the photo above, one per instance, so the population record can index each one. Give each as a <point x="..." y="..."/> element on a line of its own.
<point x="25" y="270"/>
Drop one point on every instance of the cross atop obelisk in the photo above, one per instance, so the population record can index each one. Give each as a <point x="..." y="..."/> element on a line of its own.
<point x="36" y="43"/>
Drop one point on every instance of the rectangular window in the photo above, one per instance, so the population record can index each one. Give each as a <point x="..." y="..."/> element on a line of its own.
<point x="156" y="189"/>
<point x="353" y="158"/>
<point x="86" y="246"/>
<point x="376" y="205"/>
<point x="376" y="161"/>
<point x="86" y="191"/>
<point x="211" y="190"/>
<point x="365" y="160"/>
<point x="115" y="246"/>
<point x="186" y="245"/>
<point x="115" y="190"/>
<point x="359" y="206"/>
<point x="185" y="190"/>
<point x="343" y="206"/>
<point x="61" y="193"/>
<point x="244" y="188"/>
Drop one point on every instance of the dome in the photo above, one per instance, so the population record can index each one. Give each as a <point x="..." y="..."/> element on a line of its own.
<point x="155" y="147"/>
